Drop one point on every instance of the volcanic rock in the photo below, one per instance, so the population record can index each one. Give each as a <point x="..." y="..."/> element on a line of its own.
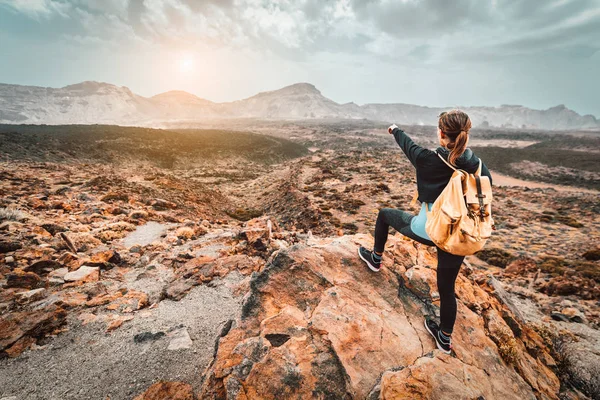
<point x="53" y="229"/>
<point x="25" y="280"/>
<point x="35" y="324"/>
<point x="317" y="323"/>
<point x="43" y="267"/>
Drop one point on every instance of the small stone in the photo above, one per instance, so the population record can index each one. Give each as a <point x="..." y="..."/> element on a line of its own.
<point x="84" y="273"/>
<point x="7" y="247"/>
<point x="58" y="273"/>
<point x="161" y="205"/>
<point x="53" y="229"/>
<point x="69" y="260"/>
<point x="31" y="295"/>
<point x="147" y="336"/>
<point x="138" y="214"/>
<point x="168" y="390"/>
<point x="43" y="267"/>
<point x="573" y="314"/>
<point x="559" y="317"/>
<point x="178" y="289"/>
<point x="181" y="340"/>
<point x="9" y="260"/>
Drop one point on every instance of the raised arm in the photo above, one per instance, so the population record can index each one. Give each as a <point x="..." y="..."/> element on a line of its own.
<point x="410" y="148"/>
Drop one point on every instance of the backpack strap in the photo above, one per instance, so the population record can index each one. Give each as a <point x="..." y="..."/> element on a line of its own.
<point x="445" y="162"/>
<point x="480" y="196"/>
<point x="478" y="173"/>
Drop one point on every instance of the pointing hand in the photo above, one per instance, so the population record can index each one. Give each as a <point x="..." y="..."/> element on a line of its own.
<point x="392" y="127"/>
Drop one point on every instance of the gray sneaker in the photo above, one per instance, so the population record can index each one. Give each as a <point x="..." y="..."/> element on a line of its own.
<point x="367" y="256"/>
<point x="443" y="344"/>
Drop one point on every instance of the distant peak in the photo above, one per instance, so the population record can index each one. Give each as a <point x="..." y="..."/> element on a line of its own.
<point x="302" y="87"/>
<point x="559" y="107"/>
<point x="175" y="94"/>
<point x="87" y="85"/>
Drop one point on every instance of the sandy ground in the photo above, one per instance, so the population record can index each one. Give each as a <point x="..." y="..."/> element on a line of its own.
<point x="87" y="363"/>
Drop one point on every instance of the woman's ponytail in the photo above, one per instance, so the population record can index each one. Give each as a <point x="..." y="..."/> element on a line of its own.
<point x="458" y="147"/>
<point x="455" y="122"/>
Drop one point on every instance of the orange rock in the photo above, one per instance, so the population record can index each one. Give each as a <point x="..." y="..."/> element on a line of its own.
<point x="116" y="322"/>
<point x="38" y="230"/>
<point x="442" y="376"/>
<point x="69" y="260"/>
<point x="109" y="256"/>
<point x="86" y="318"/>
<point x="73" y="299"/>
<point x="317" y="323"/>
<point x="103" y="299"/>
<point x="20" y="346"/>
<point x="168" y="390"/>
<point x="34" y="324"/>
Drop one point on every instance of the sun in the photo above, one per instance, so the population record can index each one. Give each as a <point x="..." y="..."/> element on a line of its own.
<point x="186" y="63"/>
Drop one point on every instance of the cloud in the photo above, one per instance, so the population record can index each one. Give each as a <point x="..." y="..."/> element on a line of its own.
<point x="417" y="31"/>
<point x="404" y="41"/>
<point x="37" y="9"/>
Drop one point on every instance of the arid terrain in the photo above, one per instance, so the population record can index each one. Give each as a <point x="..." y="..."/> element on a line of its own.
<point x="219" y="261"/>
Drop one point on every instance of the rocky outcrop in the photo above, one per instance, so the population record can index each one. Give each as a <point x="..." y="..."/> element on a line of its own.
<point x="317" y="324"/>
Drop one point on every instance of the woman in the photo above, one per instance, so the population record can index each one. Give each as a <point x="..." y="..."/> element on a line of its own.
<point x="432" y="176"/>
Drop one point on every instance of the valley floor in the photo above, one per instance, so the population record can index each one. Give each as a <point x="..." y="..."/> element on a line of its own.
<point x="173" y="256"/>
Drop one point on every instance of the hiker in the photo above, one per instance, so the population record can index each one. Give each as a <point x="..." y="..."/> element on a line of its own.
<point x="433" y="174"/>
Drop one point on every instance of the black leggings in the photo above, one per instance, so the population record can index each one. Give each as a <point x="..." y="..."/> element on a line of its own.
<point x="447" y="267"/>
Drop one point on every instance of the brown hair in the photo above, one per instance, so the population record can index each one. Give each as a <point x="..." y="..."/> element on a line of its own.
<point x="455" y="124"/>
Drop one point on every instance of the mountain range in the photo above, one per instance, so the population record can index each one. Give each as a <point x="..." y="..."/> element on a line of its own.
<point x="102" y="103"/>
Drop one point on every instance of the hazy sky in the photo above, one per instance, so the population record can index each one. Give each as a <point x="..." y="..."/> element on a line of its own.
<point x="539" y="53"/>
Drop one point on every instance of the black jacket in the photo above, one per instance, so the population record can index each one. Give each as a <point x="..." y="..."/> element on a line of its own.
<point x="432" y="173"/>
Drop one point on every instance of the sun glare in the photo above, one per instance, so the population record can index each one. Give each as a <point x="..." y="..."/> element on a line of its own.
<point x="186" y="63"/>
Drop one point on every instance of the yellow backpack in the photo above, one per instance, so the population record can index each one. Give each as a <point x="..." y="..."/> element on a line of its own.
<point x="460" y="220"/>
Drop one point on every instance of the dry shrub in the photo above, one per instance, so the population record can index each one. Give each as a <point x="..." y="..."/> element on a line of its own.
<point x="11" y="214"/>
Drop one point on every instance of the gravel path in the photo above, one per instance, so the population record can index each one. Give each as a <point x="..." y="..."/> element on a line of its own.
<point x="87" y="363"/>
